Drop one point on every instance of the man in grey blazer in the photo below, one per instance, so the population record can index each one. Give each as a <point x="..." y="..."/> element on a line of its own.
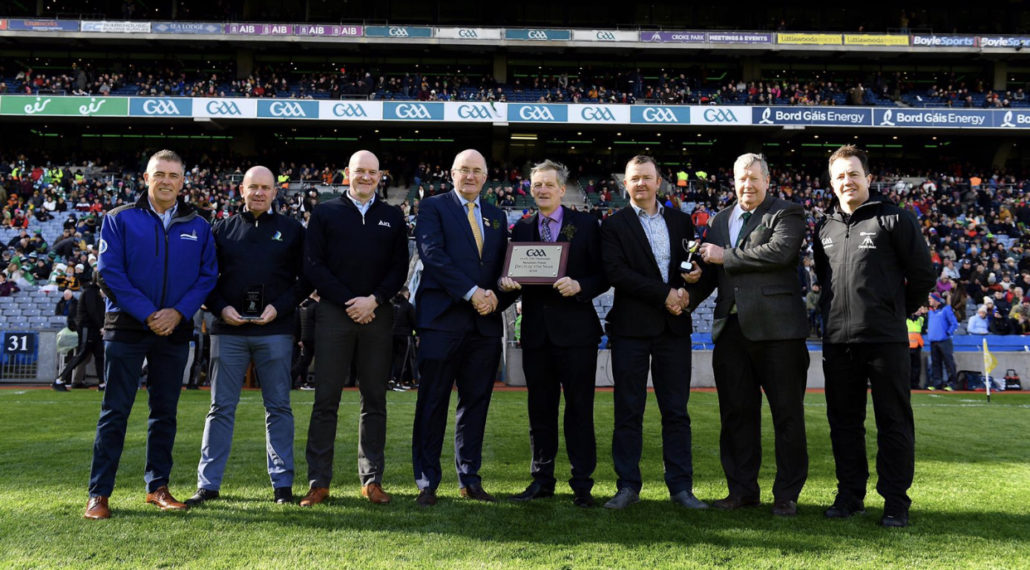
<point x="751" y="253"/>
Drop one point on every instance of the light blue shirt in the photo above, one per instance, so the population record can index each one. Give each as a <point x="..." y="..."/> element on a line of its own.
<point x="736" y="224"/>
<point x="363" y="208"/>
<point x="479" y="220"/>
<point x="657" y="233"/>
<point x="167" y="216"/>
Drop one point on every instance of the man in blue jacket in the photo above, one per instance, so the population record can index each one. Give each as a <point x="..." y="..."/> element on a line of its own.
<point x="260" y="260"/>
<point x="157" y="264"/>
<point x="940" y="328"/>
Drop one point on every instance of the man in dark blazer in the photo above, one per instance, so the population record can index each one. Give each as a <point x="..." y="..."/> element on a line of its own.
<point x="752" y="255"/>
<point x="462" y="241"/>
<point x="649" y="327"/>
<point x="560" y="335"/>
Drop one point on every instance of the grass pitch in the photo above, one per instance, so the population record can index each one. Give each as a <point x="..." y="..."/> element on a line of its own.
<point x="971" y="498"/>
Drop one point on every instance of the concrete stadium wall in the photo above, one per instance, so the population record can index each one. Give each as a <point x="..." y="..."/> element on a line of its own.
<point x="703" y="377"/>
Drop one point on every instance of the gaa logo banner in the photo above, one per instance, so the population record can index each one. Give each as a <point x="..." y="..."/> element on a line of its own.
<point x="160" y="107"/>
<point x="287" y="109"/>
<point x="350" y="110"/>
<point x="413" y="111"/>
<point x="720" y="115"/>
<point x="537" y="113"/>
<point x="475" y="112"/>
<point x="599" y="114"/>
<point x="660" y="115"/>
<point x="225" y="108"/>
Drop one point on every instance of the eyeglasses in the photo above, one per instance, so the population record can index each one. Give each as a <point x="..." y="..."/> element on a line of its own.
<point x="465" y="171"/>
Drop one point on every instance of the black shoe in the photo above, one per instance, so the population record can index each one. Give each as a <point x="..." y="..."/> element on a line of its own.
<point x="533" y="491"/>
<point x="201" y="496"/>
<point x="426" y="498"/>
<point x="894" y="520"/>
<point x="476" y="492"/>
<point x="283" y="495"/>
<point x="843" y="508"/>
<point x="77" y="385"/>
<point x="59" y="387"/>
<point x="101" y="387"/>
<point x="583" y="499"/>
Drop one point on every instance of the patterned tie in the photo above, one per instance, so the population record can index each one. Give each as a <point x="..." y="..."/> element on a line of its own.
<point x="475" y="227"/>
<point x="547" y="229"/>
<point x="740" y="236"/>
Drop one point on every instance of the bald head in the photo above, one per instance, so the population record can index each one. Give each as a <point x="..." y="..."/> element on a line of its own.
<point x="364" y="174"/>
<point x="258" y="190"/>
<point x="469" y="173"/>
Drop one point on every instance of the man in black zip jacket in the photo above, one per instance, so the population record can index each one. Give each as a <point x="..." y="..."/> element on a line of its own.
<point x="356" y="256"/>
<point x="874" y="266"/>
<point x="260" y="282"/>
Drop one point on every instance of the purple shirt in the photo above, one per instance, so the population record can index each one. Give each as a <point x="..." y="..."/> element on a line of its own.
<point x="557" y="217"/>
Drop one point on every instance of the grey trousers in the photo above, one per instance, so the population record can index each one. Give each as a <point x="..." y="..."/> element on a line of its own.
<point x="340" y="344"/>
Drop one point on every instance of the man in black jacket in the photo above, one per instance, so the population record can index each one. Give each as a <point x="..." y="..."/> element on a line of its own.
<point x="259" y="285"/>
<point x="560" y="334"/>
<point x="874" y="265"/>
<point x="89" y="323"/>
<point x="649" y="328"/>
<point x="356" y="256"/>
<point x="403" y="369"/>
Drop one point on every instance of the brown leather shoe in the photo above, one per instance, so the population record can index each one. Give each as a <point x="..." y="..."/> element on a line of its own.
<point x="165" y="501"/>
<point x="477" y="493"/>
<point x="315" y="496"/>
<point x="785" y="508"/>
<point x="732" y="502"/>
<point x="97" y="509"/>
<point x="426" y="498"/>
<point x="374" y="492"/>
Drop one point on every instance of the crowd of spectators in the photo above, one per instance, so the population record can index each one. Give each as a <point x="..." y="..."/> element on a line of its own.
<point x="629" y="86"/>
<point x="978" y="226"/>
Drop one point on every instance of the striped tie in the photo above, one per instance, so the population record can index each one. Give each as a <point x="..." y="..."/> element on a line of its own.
<point x="475" y="227"/>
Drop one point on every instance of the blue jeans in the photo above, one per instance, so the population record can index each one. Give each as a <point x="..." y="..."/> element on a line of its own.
<point x="233" y="353"/>
<point x="123" y="363"/>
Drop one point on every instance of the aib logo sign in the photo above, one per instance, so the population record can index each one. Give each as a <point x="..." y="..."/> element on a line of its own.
<point x="349" y="110"/>
<point x="535" y="113"/>
<point x="600" y="114"/>
<point x="223" y="108"/>
<point x="474" y="112"/>
<point x="719" y="116"/>
<point x="160" y="107"/>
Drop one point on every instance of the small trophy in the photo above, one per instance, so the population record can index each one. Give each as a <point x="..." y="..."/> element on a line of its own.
<point x="690" y="247"/>
<point x="253" y="303"/>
